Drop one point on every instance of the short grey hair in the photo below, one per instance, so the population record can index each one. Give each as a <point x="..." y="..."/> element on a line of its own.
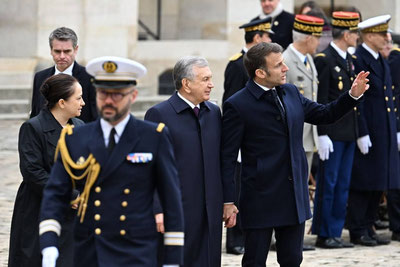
<point x="63" y="34"/>
<point x="184" y="69"/>
<point x="298" y="36"/>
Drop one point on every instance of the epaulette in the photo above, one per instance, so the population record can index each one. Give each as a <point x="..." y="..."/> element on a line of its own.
<point x="160" y="127"/>
<point x="235" y="57"/>
<point x="396" y="49"/>
<point x="320" y="55"/>
<point x="354" y="56"/>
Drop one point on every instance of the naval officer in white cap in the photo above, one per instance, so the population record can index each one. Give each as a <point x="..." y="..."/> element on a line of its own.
<point x="376" y="159"/>
<point x="117" y="163"/>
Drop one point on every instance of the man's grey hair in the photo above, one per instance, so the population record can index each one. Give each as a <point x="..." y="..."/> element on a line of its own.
<point x="63" y="34"/>
<point x="298" y="36"/>
<point x="184" y="69"/>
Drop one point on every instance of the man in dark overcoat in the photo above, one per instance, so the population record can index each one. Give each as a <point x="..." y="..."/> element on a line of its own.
<point x="63" y="48"/>
<point x="376" y="161"/>
<point x="282" y="21"/>
<point x="117" y="163"/>
<point x="236" y="78"/>
<point x="265" y="120"/>
<point x="195" y="126"/>
<point x="336" y="141"/>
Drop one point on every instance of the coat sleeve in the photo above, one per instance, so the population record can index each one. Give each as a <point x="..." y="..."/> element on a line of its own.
<point x="153" y="115"/>
<point x="31" y="153"/>
<point x="232" y="134"/>
<point x="323" y="70"/>
<point x="35" y="102"/>
<point x="168" y="188"/>
<point x="317" y="114"/>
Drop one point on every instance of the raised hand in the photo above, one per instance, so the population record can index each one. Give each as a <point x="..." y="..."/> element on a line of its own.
<point x="360" y="84"/>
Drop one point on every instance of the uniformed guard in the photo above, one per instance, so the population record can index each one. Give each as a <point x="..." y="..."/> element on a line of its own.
<point x="307" y="31"/>
<point x="376" y="161"/>
<point x="236" y="78"/>
<point x="336" y="141"/>
<point x="282" y="21"/>
<point x="117" y="163"/>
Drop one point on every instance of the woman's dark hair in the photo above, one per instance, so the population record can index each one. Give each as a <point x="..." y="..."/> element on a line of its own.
<point x="57" y="87"/>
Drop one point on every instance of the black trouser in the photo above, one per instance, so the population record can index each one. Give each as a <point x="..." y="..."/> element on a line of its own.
<point x="362" y="208"/>
<point x="393" y="205"/>
<point x="289" y="246"/>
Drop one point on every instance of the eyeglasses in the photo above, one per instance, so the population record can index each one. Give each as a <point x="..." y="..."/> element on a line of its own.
<point x="115" y="96"/>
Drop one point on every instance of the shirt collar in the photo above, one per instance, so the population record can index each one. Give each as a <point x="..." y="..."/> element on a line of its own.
<point x="119" y="129"/>
<point x="300" y="55"/>
<point x="372" y="52"/>
<point x="66" y="71"/>
<point x="245" y="49"/>
<point x="263" y="87"/>
<point x="341" y="53"/>
<point x="188" y="102"/>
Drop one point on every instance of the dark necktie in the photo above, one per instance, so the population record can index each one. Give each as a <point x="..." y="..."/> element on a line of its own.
<point x="347" y="64"/>
<point x="196" y="111"/>
<point x="279" y="104"/>
<point x="111" y="140"/>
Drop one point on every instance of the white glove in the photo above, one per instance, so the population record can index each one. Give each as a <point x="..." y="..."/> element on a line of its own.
<point x="50" y="255"/>
<point x="325" y="146"/>
<point x="364" y="143"/>
<point x="398" y="141"/>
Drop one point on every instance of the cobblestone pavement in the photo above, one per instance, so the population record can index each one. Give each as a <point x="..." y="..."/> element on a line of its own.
<point x="10" y="178"/>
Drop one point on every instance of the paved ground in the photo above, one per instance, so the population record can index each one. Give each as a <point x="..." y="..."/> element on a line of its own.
<point x="10" y="178"/>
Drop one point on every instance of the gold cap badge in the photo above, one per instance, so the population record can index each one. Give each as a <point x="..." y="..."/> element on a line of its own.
<point x="110" y="66"/>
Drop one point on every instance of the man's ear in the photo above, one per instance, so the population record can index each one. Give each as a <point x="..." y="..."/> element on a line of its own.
<point x="134" y="95"/>
<point x="186" y="85"/>
<point x="260" y="73"/>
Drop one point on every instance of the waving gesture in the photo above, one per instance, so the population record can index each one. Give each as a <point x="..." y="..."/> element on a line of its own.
<point x="360" y="84"/>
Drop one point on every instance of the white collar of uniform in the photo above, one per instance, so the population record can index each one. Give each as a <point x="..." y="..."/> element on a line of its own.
<point x="66" y="71"/>
<point x="298" y="54"/>
<point x="278" y="10"/>
<point x="245" y="49"/>
<point x="372" y="52"/>
<point x="341" y="53"/>
<point x="119" y="128"/>
<point x="188" y="102"/>
<point x="263" y="87"/>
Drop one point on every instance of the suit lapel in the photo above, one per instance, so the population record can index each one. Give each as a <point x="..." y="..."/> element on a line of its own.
<point x="97" y="146"/>
<point x="371" y="62"/>
<point x="130" y="137"/>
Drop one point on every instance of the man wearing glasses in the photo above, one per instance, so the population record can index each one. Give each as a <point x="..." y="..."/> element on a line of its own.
<point x="117" y="163"/>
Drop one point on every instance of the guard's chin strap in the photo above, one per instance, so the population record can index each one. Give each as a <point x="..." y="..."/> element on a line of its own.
<point x="90" y="166"/>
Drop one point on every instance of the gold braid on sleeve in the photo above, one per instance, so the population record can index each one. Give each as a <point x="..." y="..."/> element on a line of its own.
<point x="90" y="166"/>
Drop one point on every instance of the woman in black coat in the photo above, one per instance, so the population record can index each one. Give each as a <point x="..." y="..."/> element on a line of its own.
<point x="38" y="139"/>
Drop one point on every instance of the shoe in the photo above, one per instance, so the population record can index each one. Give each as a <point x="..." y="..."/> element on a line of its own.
<point x="327" y="243"/>
<point x="364" y="240"/>
<point x="235" y="250"/>
<point x="308" y="247"/>
<point x="345" y="244"/>
<point x="380" y="240"/>
<point x="380" y="225"/>
<point x="396" y="236"/>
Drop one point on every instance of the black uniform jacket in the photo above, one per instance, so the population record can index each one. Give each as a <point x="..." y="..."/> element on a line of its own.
<point x="335" y="77"/>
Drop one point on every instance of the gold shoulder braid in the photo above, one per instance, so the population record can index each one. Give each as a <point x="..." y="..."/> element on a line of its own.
<point x="90" y="166"/>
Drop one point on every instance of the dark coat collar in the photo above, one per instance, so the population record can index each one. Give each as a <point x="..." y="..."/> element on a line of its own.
<point x="179" y="105"/>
